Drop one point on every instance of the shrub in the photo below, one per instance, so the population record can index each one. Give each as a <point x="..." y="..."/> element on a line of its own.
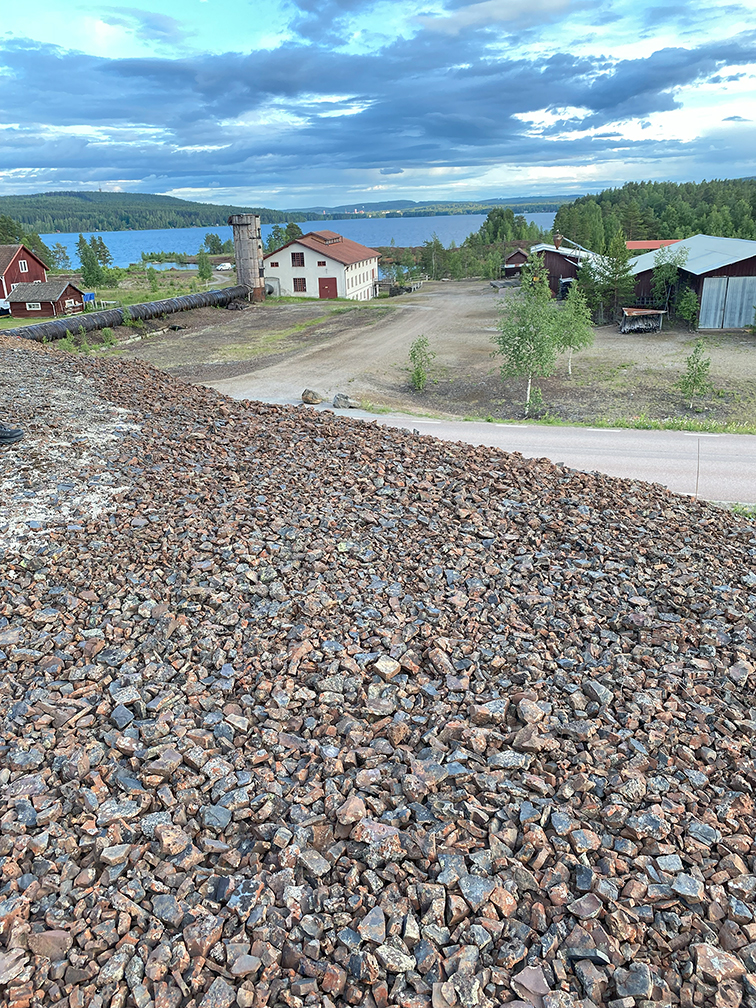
<point x="421" y="359"/>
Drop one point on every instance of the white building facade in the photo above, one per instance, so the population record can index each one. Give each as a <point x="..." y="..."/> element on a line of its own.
<point x="323" y="264"/>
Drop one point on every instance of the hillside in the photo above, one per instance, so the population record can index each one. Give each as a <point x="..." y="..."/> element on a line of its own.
<point x="46" y="213"/>
<point x="302" y="710"/>
<point x="725" y="207"/>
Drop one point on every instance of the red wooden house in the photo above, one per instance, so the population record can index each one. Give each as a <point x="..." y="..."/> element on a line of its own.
<point x="19" y="265"/>
<point x="45" y="300"/>
<point x="562" y="265"/>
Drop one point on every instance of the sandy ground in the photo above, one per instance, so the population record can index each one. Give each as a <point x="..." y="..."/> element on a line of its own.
<point x="272" y="352"/>
<point x="371" y="362"/>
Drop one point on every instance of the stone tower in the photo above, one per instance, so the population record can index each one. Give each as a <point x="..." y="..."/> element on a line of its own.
<point x="249" y="254"/>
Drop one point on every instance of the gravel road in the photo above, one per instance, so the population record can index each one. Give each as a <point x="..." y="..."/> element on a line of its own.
<point x="453" y="317"/>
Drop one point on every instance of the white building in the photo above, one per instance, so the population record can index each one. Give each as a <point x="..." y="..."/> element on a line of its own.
<point x="323" y="264"/>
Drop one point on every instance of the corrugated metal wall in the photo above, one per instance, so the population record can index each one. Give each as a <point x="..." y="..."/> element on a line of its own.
<point x="740" y="301"/>
<point x="712" y="303"/>
<point x="727" y="302"/>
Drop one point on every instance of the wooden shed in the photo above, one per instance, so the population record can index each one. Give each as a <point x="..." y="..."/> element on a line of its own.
<point x="562" y="265"/>
<point x="45" y="300"/>
<point x="721" y="271"/>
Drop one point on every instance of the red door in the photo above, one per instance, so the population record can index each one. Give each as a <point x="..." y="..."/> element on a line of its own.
<point x="327" y="287"/>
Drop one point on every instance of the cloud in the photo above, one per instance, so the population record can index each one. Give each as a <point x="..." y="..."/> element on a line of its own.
<point x="434" y="102"/>
<point x="496" y="12"/>
<point x="147" y="25"/>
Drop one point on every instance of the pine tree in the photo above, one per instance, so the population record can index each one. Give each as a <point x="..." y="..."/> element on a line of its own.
<point x="617" y="283"/>
<point x="59" y="258"/>
<point x="103" y="253"/>
<point x="293" y="231"/>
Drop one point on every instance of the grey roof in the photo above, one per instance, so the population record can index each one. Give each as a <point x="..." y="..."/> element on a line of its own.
<point x="49" y="291"/>
<point x="705" y="253"/>
<point x="568" y="253"/>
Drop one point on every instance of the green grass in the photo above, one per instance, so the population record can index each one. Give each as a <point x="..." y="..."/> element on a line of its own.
<point x="640" y="422"/>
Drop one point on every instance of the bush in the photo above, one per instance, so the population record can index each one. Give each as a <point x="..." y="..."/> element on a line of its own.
<point x="695" y="381"/>
<point x="421" y="358"/>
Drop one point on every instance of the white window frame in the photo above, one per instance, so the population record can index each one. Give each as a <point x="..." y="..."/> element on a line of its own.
<point x="23" y="266"/>
<point x="33" y="306"/>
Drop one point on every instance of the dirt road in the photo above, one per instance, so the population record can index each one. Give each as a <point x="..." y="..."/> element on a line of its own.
<point x="370" y="361"/>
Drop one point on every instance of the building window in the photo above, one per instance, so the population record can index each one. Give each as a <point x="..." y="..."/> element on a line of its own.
<point x="23" y="266"/>
<point x="297" y="258"/>
<point x="33" y="306"/>
<point x="273" y="264"/>
<point x="70" y="302"/>
<point x="321" y="262"/>
<point x="300" y="284"/>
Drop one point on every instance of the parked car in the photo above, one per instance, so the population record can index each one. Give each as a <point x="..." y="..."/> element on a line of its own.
<point x="224" y="267"/>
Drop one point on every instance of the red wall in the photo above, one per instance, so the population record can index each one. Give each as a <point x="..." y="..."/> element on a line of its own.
<point x="19" y="310"/>
<point x="745" y="267"/>
<point x="14" y="275"/>
<point x="47" y="308"/>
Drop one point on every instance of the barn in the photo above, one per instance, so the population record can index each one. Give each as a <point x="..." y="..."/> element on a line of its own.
<point x="722" y="272"/>
<point x="323" y="264"/>
<point x="45" y="300"/>
<point x="562" y="264"/>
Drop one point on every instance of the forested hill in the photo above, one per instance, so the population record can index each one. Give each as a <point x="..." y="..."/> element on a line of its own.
<point x="46" y="213"/>
<point x="661" y="210"/>
<point x="49" y="212"/>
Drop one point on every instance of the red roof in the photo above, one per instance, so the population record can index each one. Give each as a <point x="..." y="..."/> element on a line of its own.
<point x="651" y="243"/>
<point x="329" y="243"/>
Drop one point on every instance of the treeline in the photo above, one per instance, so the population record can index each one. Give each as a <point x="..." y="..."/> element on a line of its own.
<point x="46" y="213"/>
<point x="72" y="212"/>
<point x="473" y="208"/>
<point x="11" y="233"/>
<point x="481" y="254"/>
<point x="723" y="207"/>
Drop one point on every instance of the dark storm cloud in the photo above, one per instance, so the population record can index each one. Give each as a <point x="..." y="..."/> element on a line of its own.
<point x="434" y="100"/>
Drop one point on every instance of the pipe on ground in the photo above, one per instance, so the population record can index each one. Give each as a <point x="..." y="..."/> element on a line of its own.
<point x="90" y="321"/>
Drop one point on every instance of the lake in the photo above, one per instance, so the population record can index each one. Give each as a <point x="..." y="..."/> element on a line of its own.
<point x="127" y="246"/>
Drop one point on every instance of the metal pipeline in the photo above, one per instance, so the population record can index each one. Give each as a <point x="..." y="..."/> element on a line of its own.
<point x="90" y="321"/>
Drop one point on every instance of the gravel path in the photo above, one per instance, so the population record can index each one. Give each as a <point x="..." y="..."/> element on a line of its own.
<point x="454" y="317"/>
<point x="303" y="711"/>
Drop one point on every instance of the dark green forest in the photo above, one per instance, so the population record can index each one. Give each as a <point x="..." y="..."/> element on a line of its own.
<point x="46" y="213"/>
<point x="481" y="253"/>
<point x="724" y="207"/>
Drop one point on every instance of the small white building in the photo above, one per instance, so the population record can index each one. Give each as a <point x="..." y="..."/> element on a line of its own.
<point x="323" y="264"/>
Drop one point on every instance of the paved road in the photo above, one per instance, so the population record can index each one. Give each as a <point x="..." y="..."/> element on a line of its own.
<point x="727" y="461"/>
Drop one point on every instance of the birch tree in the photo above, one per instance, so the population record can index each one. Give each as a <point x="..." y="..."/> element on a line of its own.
<point x="574" y="328"/>
<point x="527" y="336"/>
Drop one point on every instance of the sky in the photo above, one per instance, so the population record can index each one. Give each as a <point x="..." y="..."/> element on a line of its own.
<point x="299" y="103"/>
